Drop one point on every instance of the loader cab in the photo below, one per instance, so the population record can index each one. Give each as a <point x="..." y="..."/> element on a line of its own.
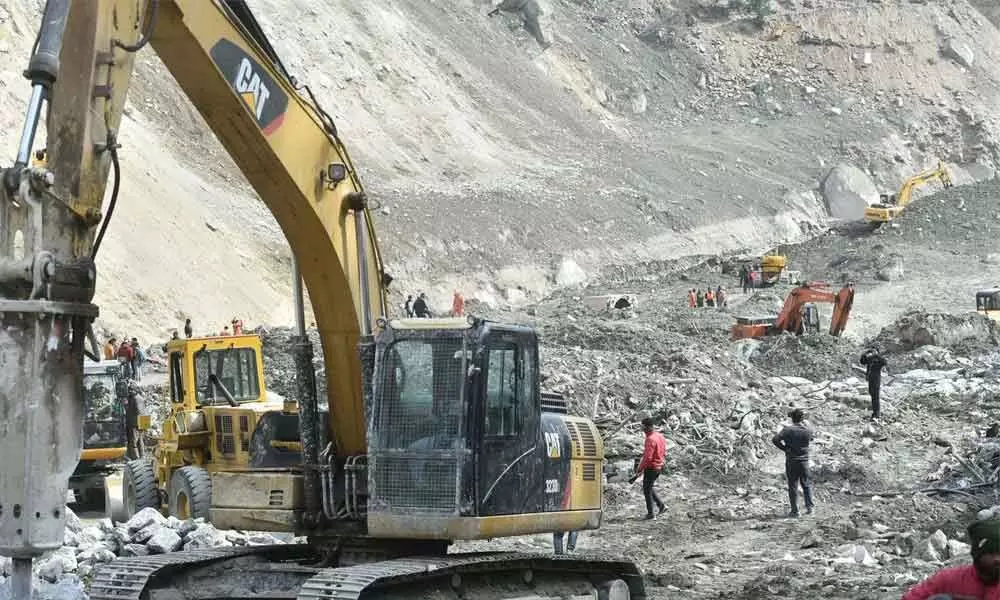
<point x="217" y="396"/>
<point x="988" y="303"/>
<point x="458" y="444"/>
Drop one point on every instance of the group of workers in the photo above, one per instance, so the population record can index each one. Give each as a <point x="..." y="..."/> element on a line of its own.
<point x="129" y="354"/>
<point x="418" y="308"/>
<point x="698" y="299"/>
<point x="750" y="277"/>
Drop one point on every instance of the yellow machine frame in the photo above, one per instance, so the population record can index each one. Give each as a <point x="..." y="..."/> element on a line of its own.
<point x="889" y="208"/>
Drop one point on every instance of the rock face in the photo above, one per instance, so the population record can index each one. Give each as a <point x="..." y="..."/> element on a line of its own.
<point x="847" y="190"/>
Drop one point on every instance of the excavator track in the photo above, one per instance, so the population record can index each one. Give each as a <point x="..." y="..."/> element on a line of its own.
<point x="511" y="575"/>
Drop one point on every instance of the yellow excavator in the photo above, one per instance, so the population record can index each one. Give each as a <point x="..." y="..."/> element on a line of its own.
<point x="890" y="206"/>
<point x="434" y="430"/>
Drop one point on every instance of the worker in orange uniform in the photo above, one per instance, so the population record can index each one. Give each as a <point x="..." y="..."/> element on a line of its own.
<point x="653" y="454"/>
<point x="110" y="350"/>
<point x="457" y="305"/>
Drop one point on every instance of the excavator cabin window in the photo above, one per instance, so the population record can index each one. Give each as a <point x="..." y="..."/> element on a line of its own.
<point x="509" y="398"/>
<point x="988" y="300"/>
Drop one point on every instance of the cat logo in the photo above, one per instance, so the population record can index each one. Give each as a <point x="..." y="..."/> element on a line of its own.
<point x="552" y="445"/>
<point x="260" y="93"/>
<point x="250" y="88"/>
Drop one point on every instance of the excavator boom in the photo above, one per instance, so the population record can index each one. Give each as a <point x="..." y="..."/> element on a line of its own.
<point x="889" y="210"/>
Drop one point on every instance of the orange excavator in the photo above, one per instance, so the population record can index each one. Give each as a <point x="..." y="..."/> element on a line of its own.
<point x="799" y="313"/>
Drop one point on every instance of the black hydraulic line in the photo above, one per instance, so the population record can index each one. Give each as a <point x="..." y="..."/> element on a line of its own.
<point x="147" y="32"/>
<point x="305" y="388"/>
<point x="116" y="167"/>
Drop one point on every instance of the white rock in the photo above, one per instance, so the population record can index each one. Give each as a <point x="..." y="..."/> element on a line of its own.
<point x="847" y="191"/>
<point x="957" y="549"/>
<point x="89" y="536"/>
<point x="206" y="536"/>
<point x="959" y="51"/>
<point x="6" y="565"/>
<point x="175" y="523"/>
<point x="146" y="533"/>
<point x="262" y="539"/>
<point x="144" y="518"/>
<point x="135" y="550"/>
<point x="988" y="513"/>
<point x="70" y="538"/>
<point x="53" y="565"/>
<point x="570" y="274"/>
<point x="165" y="540"/>
<point x="95" y="555"/>
<point x="939" y="541"/>
<point x="73" y="522"/>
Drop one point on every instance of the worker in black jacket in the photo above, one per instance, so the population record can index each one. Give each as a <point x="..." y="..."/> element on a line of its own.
<point x="874" y="363"/>
<point x="794" y="440"/>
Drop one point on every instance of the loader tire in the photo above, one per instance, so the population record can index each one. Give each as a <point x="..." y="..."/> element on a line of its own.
<point x="139" y="483"/>
<point x="190" y="495"/>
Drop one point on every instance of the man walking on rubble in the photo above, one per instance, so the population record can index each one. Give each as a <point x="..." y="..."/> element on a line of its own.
<point x="420" y="307"/>
<point x="874" y="363"/>
<point x="138" y="360"/>
<point x="126" y="355"/>
<point x="794" y="440"/>
<point x="408" y="307"/>
<point x="187" y="328"/>
<point x="557" y="541"/>
<point x="979" y="580"/>
<point x="653" y="454"/>
<point x="529" y="11"/>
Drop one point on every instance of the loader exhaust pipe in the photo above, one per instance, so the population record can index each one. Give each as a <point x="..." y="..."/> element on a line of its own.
<point x="305" y="386"/>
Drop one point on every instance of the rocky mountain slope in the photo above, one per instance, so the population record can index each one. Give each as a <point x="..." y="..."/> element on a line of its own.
<point x="650" y="129"/>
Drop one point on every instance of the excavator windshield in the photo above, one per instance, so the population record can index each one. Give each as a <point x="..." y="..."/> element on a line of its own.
<point x="219" y="374"/>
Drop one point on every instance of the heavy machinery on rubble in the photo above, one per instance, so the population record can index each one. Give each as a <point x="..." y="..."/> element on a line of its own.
<point x="105" y="433"/>
<point x="799" y="313"/>
<point x="988" y="303"/>
<point x="436" y="429"/>
<point x="890" y="206"/>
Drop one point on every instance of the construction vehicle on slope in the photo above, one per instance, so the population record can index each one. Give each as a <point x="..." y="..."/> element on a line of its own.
<point x="436" y="430"/>
<point x="988" y="303"/>
<point x="890" y="206"/>
<point x="799" y="313"/>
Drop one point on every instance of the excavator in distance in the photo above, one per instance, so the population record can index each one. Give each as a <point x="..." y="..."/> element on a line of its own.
<point x="799" y="314"/>
<point x="436" y="429"/>
<point x="889" y="207"/>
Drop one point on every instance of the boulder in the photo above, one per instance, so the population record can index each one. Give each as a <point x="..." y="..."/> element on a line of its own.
<point x="205" y="536"/>
<point x="959" y="51"/>
<point x="95" y="555"/>
<point x="847" y="190"/>
<point x="890" y="268"/>
<point x="165" y="540"/>
<point x="53" y="565"/>
<point x="570" y="274"/>
<point x="73" y="522"/>
<point x="144" y="518"/>
<point x="957" y="549"/>
<point x="135" y="550"/>
<point x="262" y="539"/>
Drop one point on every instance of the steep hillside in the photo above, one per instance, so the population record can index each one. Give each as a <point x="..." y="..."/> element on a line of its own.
<point x="650" y="128"/>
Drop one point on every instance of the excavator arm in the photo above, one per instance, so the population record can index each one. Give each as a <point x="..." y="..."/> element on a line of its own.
<point x="790" y="318"/>
<point x="906" y="192"/>
<point x="51" y="223"/>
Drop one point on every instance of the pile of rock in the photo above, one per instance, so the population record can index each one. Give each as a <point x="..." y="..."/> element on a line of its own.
<point x="148" y="532"/>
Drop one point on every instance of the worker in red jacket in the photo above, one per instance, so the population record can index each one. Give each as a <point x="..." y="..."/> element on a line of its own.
<point x="653" y="454"/>
<point x="979" y="580"/>
<point x="126" y="355"/>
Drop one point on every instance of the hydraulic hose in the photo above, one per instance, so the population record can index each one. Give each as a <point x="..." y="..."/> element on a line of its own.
<point x="116" y="167"/>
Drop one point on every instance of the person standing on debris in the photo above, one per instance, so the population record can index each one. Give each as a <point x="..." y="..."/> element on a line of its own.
<point x="709" y="297"/>
<point x="187" y="328"/>
<point x="874" y="363"/>
<point x="237" y="326"/>
<point x="408" y="307"/>
<point x="529" y="12"/>
<point x="653" y="455"/>
<point x="133" y="408"/>
<point x="457" y="305"/>
<point x="744" y="277"/>
<point x="225" y="331"/>
<point x="794" y="440"/>
<point x="720" y="297"/>
<point x="126" y="356"/>
<point x="138" y="359"/>
<point x="109" y="349"/>
<point x="557" y="541"/>
<point x="699" y="299"/>
<point x="692" y="299"/>
<point x="420" y="307"/>
<point x="980" y="580"/>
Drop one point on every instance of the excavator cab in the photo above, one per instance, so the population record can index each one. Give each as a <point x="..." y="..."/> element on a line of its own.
<point x="988" y="303"/>
<point x="459" y="444"/>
